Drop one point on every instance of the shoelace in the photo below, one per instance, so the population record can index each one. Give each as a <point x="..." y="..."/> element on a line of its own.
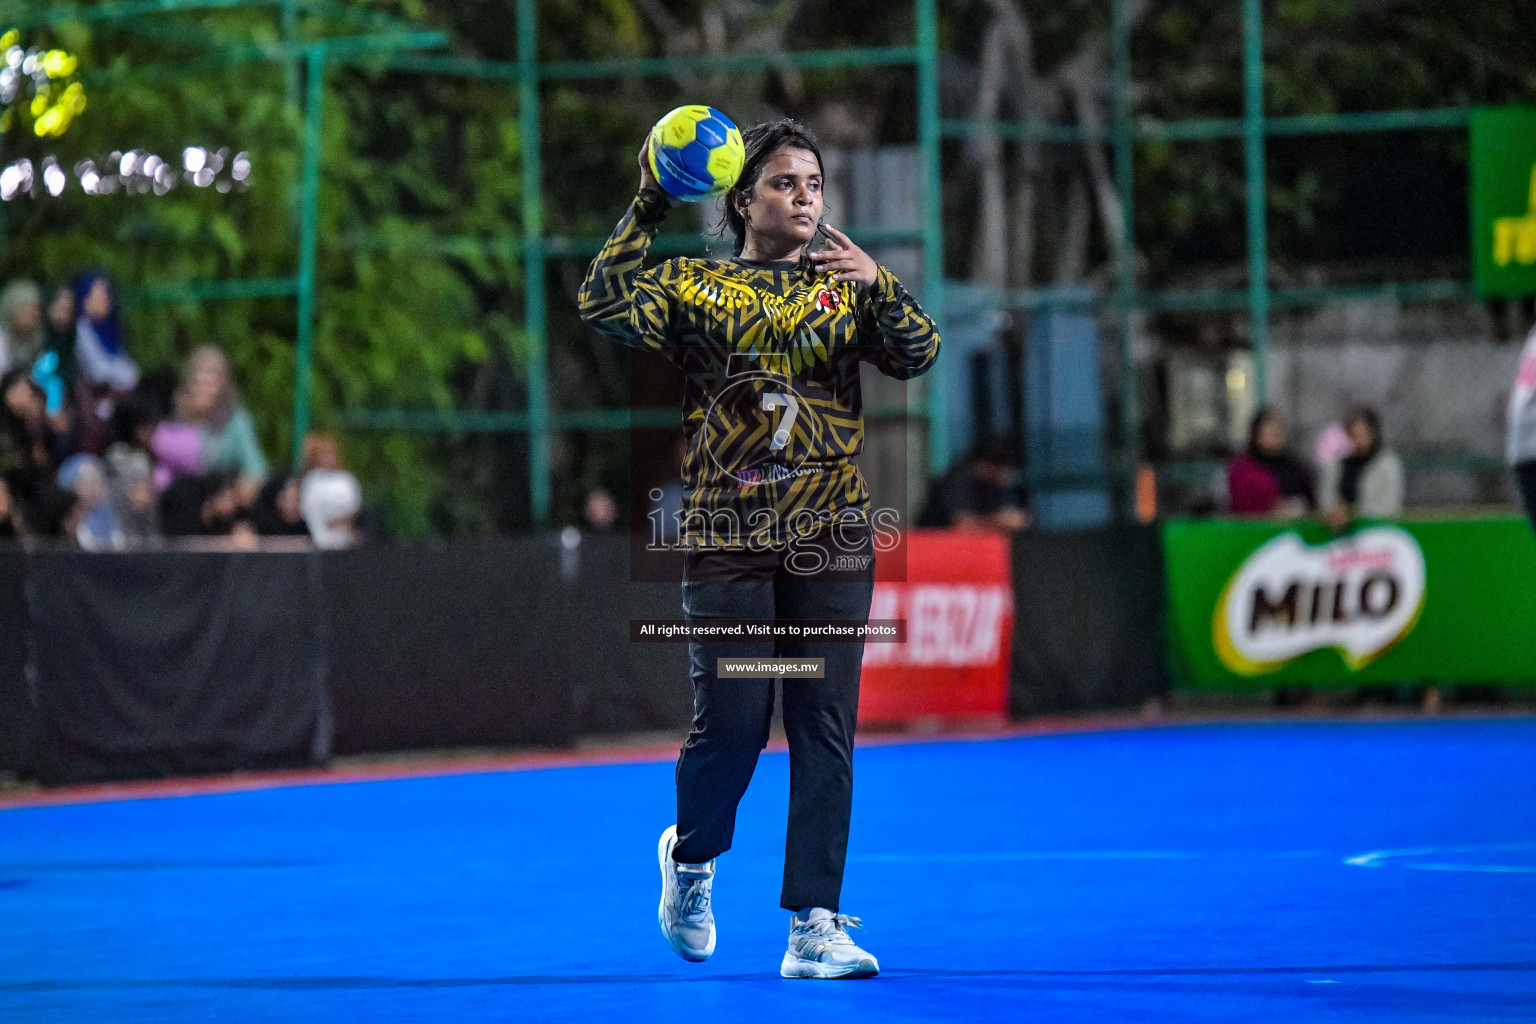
<point x="693" y="897"/>
<point x="834" y="929"/>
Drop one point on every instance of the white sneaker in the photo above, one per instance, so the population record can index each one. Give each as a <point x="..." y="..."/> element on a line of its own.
<point x="684" y="915"/>
<point x="822" y="949"/>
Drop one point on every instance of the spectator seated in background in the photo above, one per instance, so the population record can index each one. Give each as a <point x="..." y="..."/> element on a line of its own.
<point x="1266" y="479"/>
<point x="134" y="422"/>
<point x="178" y="452"/>
<point x="210" y="401"/>
<point x="981" y="492"/>
<point x="130" y="471"/>
<point x="99" y="351"/>
<point x="59" y="329"/>
<point x="204" y="505"/>
<point x="599" y="511"/>
<point x="278" y="511"/>
<point x="29" y="438"/>
<point x="140" y="422"/>
<point x="54" y="367"/>
<point x="40" y="508"/>
<point x="330" y="496"/>
<point x="22" y="336"/>
<point x="104" y="371"/>
<point x="97" y="529"/>
<point x="1366" y="482"/>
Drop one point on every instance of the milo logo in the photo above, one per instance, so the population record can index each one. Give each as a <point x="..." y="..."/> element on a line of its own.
<point x="1359" y="595"/>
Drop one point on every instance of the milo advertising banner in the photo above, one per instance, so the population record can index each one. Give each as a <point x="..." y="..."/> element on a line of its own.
<point x="1264" y="604"/>
<point x="1503" y="177"/>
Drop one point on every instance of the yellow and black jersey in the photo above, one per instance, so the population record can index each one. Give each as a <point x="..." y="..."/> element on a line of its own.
<point x="770" y="351"/>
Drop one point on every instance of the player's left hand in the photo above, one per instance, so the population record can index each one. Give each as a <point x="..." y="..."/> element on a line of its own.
<point x="846" y="261"/>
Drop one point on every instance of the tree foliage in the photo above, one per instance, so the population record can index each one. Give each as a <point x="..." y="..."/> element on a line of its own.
<point x="400" y="322"/>
<point x="1025" y="60"/>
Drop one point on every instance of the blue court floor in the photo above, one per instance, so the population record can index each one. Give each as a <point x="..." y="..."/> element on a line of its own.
<point x="1310" y="871"/>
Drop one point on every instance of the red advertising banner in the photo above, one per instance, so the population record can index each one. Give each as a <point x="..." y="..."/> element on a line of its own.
<point x="957" y="599"/>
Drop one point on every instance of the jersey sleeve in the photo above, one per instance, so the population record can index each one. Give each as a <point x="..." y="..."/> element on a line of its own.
<point x="619" y="299"/>
<point x="900" y="339"/>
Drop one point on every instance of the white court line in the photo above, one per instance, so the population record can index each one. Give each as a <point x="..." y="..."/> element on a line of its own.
<point x="1503" y="869"/>
<point x="1080" y="855"/>
<point x="1379" y="858"/>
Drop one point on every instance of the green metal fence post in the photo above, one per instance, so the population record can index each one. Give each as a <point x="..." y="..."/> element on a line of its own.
<point x="309" y="216"/>
<point x="533" y="262"/>
<point x="1253" y="151"/>
<point x="1125" y="263"/>
<point x="929" y="141"/>
<point x="290" y="31"/>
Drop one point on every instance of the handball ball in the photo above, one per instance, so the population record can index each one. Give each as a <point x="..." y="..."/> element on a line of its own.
<point x="696" y="153"/>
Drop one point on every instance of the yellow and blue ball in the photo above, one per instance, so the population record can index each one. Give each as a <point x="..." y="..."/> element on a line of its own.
<point x="696" y="153"/>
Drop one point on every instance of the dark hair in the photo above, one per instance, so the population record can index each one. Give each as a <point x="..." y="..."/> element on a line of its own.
<point x="995" y="450"/>
<point x="266" y="514"/>
<point x="47" y="509"/>
<point x="181" y="504"/>
<point x="762" y="141"/>
<point x="135" y="411"/>
<point x="1365" y="414"/>
<point x="158" y="387"/>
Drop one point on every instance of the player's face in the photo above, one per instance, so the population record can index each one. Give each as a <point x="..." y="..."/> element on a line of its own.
<point x="785" y="204"/>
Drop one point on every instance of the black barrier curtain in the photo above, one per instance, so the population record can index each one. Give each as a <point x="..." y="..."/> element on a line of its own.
<point x="19" y="735"/>
<point x="474" y="643"/>
<point x="138" y="665"/>
<point x="153" y="664"/>
<point x="1089" y="611"/>
<point x="520" y="641"/>
<point x="633" y="687"/>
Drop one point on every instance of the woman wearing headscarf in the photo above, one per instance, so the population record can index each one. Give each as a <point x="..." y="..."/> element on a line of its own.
<point x="1266" y="479"/>
<point x="130" y="471"/>
<point x="99" y="348"/>
<point x="1367" y="482"/>
<point x="210" y="401"/>
<point x="98" y="528"/>
<point x="21" y="324"/>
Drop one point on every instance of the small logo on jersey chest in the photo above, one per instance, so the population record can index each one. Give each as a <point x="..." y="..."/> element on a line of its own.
<point x="828" y="299"/>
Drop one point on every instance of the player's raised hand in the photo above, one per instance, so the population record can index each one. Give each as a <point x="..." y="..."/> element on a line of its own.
<point x="647" y="179"/>
<point x="846" y="261"/>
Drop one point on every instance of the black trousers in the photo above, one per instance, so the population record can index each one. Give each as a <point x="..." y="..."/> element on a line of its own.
<point x="731" y="716"/>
